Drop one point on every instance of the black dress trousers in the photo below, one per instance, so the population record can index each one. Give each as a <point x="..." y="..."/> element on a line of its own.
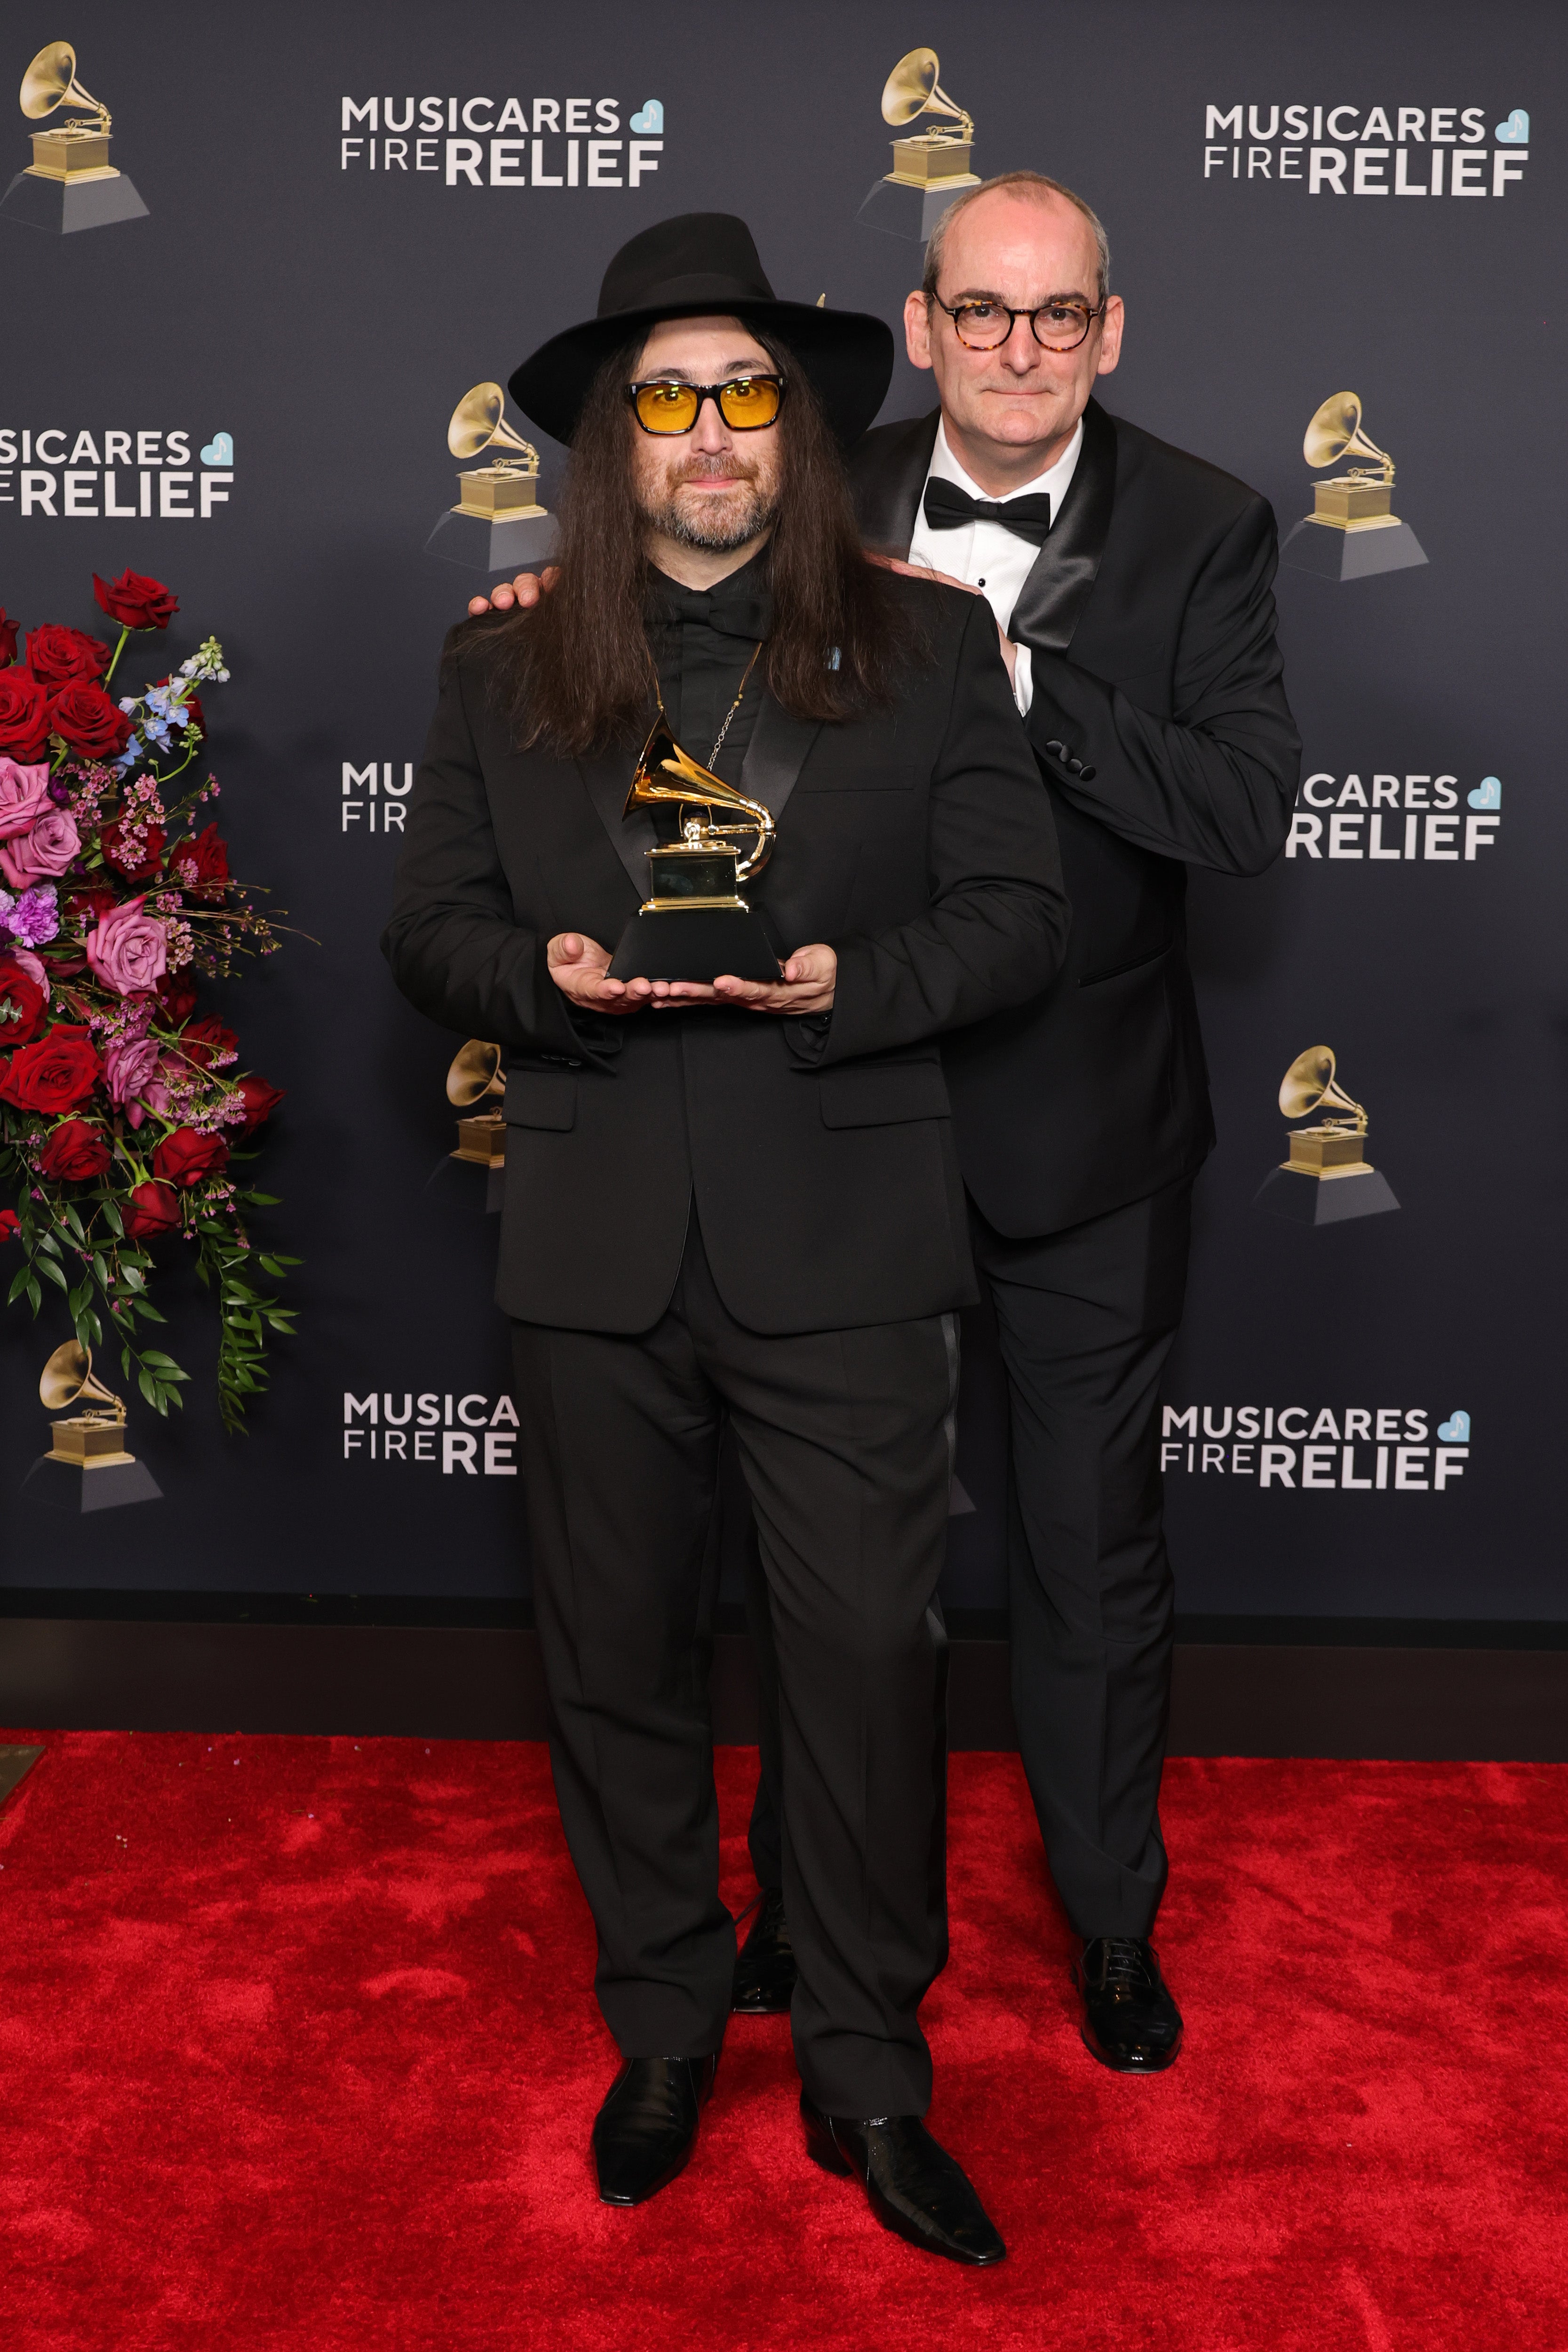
<point x="1085" y="1319"/>
<point x="841" y="1439"/>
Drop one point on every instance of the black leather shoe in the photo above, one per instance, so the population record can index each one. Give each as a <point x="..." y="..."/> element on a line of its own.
<point x="1130" y="2021"/>
<point x="914" y="2186"/>
<point x="647" y="2125"/>
<point x="764" y="1965"/>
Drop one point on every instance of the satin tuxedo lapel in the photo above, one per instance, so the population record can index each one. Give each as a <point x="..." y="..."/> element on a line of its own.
<point x="607" y="778"/>
<point x="775" y="755"/>
<point x="1051" y="601"/>
<point x="888" y="473"/>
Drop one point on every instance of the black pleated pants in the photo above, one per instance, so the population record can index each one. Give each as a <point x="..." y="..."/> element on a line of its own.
<point x="1085" y="1319"/>
<point x="841" y="1440"/>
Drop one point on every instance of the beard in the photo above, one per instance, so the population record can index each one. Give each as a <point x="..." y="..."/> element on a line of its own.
<point x="720" y="522"/>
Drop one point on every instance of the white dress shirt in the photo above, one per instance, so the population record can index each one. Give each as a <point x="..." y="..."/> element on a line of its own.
<point x="986" y="555"/>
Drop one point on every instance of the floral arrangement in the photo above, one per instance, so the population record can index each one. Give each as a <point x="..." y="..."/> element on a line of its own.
<point x="123" y="1112"/>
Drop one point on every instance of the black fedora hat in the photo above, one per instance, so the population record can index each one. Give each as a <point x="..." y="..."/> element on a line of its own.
<point x="698" y="265"/>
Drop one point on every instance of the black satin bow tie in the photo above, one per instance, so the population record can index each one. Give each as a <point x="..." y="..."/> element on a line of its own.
<point x="739" y="611"/>
<point x="947" y="508"/>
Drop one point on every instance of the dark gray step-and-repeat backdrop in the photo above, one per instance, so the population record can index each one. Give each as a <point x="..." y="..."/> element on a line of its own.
<point x="353" y="215"/>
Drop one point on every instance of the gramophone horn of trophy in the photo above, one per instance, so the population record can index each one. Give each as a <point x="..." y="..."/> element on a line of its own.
<point x="694" y="923"/>
<point x="71" y="158"/>
<point x="934" y="164"/>
<point x="90" y="1441"/>
<point x="1311" y="1186"/>
<point x="475" y="1080"/>
<point x="1357" y="506"/>
<point x="497" y="521"/>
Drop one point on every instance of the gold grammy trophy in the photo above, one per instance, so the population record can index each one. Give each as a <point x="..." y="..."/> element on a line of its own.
<point x="1328" y="1177"/>
<point x="70" y="183"/>
<point x="1356" y="506"/>
<point x="694" y="924"/>
<point x="930" y="167"/>
<point x="498" y="523"/>
<point x="92" y="1443"/>
<point x="475" y="1085"/>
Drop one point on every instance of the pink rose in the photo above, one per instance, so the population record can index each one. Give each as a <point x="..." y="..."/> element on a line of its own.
<point x="47" y="850"/>
<point x="128" y="950"/>
<point x="129" y="1065"/>
<point x="31" y="965"/>
<point x="24" y="793"/>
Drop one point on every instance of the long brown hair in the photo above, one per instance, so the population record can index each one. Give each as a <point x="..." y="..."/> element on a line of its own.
<point x="577" y="672"/>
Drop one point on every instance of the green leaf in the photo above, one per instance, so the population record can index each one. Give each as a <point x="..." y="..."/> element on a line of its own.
<point x="22" y="1277"/>
<point x="55" y="1271"/>
<point x="112" y="1216"/>
<point x="34" y="1293"/>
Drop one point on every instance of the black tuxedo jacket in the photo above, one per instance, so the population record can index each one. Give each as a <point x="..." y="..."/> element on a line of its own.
<point x="916" y="842"/>
<point x="1162" y="729"/>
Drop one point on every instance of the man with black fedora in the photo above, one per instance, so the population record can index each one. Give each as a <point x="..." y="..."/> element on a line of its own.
<point x="736" y="1199"/>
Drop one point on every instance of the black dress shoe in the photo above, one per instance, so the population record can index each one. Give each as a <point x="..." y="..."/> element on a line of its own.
<point x="914" y="2186"/>
<point x="1130" y="2021"/>
<point x="764" y="1965"/>
<point x="647" y="2125"/>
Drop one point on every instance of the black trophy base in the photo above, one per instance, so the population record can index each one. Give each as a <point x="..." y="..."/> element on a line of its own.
<point x="697" y="943"/>
<point x="1307" y="1200"/>
<point x="468" y="1187"/>
<point x="481" y="544"/>
<point x="906" y="211"/>
<point x="63" y="206"/>
<point x="1351" y="554"/>
<point x="79" y="1488"/>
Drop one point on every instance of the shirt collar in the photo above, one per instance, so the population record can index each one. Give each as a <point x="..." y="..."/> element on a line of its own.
<point x="739" y="605"/>
<point x="1054" y="482"/>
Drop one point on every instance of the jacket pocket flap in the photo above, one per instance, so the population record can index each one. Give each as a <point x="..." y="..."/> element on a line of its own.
<point x="541" y="1098"/>
<point x="882" y="1096"/>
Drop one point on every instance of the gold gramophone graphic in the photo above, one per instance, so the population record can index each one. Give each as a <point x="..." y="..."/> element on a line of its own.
<point x="1327" y="1176"/>
<point x="90" y="1441"/>
<point x="504" y="487"/>
<point x="71" y="158"/>
<point x="926" y="156"/>
<point x="497" y="521"/>
<point x="1357" y="503"/>
<point x="694" y="924"/>
<point x="931" y="166"/>
<point x="475" y="1080"/>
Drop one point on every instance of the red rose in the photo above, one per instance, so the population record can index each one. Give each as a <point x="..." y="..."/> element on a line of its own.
<point x="58" y="656"/>
<point x="77" y="1149"/>
<point x="136" y="866"/>
<point x="9" y="1219"/>
<point x="177" y="995"/>
<point x="152" y="1210"/>
<point x="135" y="602"/>
<point x="186" y="1156"/>
<point x="201" y="862"/>
<point x="91" y="904"/>
<point x="24" y="715"/>
<point x="8" y="628"/>
<point x="22" y="1003"/>
<point x="260" y="1100"/>
<point x="205" y="1039"/>
<point x="89" y="721"/>
<point x="54" y="1074"/>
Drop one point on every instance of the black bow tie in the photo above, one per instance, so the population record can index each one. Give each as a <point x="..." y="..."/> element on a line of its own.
<point x="947" y="508"/>
<point x="740" y="611"/>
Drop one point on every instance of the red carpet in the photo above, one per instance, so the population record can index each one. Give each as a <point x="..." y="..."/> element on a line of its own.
<point x="297" y="2051"/>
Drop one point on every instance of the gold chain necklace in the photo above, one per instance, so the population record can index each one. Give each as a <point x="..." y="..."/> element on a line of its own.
<point x="719" y="739"/>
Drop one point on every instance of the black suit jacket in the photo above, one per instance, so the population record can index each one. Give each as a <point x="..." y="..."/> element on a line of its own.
<point x="1162" y="729"/>
<point x="916" y="842"/>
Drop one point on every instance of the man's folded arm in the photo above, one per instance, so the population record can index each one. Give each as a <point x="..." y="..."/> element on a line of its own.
<point x="1213" y="784"/>
<point x="997" y="929"/>
<point x="455" y="949"/>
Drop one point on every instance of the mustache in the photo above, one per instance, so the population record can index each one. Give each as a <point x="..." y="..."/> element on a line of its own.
<point x="700" y="468"/>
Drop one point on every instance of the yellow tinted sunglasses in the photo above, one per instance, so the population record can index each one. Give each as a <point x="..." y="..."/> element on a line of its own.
<point x="746" y="402"/>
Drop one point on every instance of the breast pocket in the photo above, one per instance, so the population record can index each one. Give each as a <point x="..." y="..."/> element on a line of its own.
<point x="541" y="1099"/>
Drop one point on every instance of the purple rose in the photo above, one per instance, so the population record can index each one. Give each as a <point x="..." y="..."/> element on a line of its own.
<point x="24" y="794"/>
<point x="34" y="917"/>
<point x="128" y="950"/>
<point x="128" y="1066"/>
<point x="47" y="849"/>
